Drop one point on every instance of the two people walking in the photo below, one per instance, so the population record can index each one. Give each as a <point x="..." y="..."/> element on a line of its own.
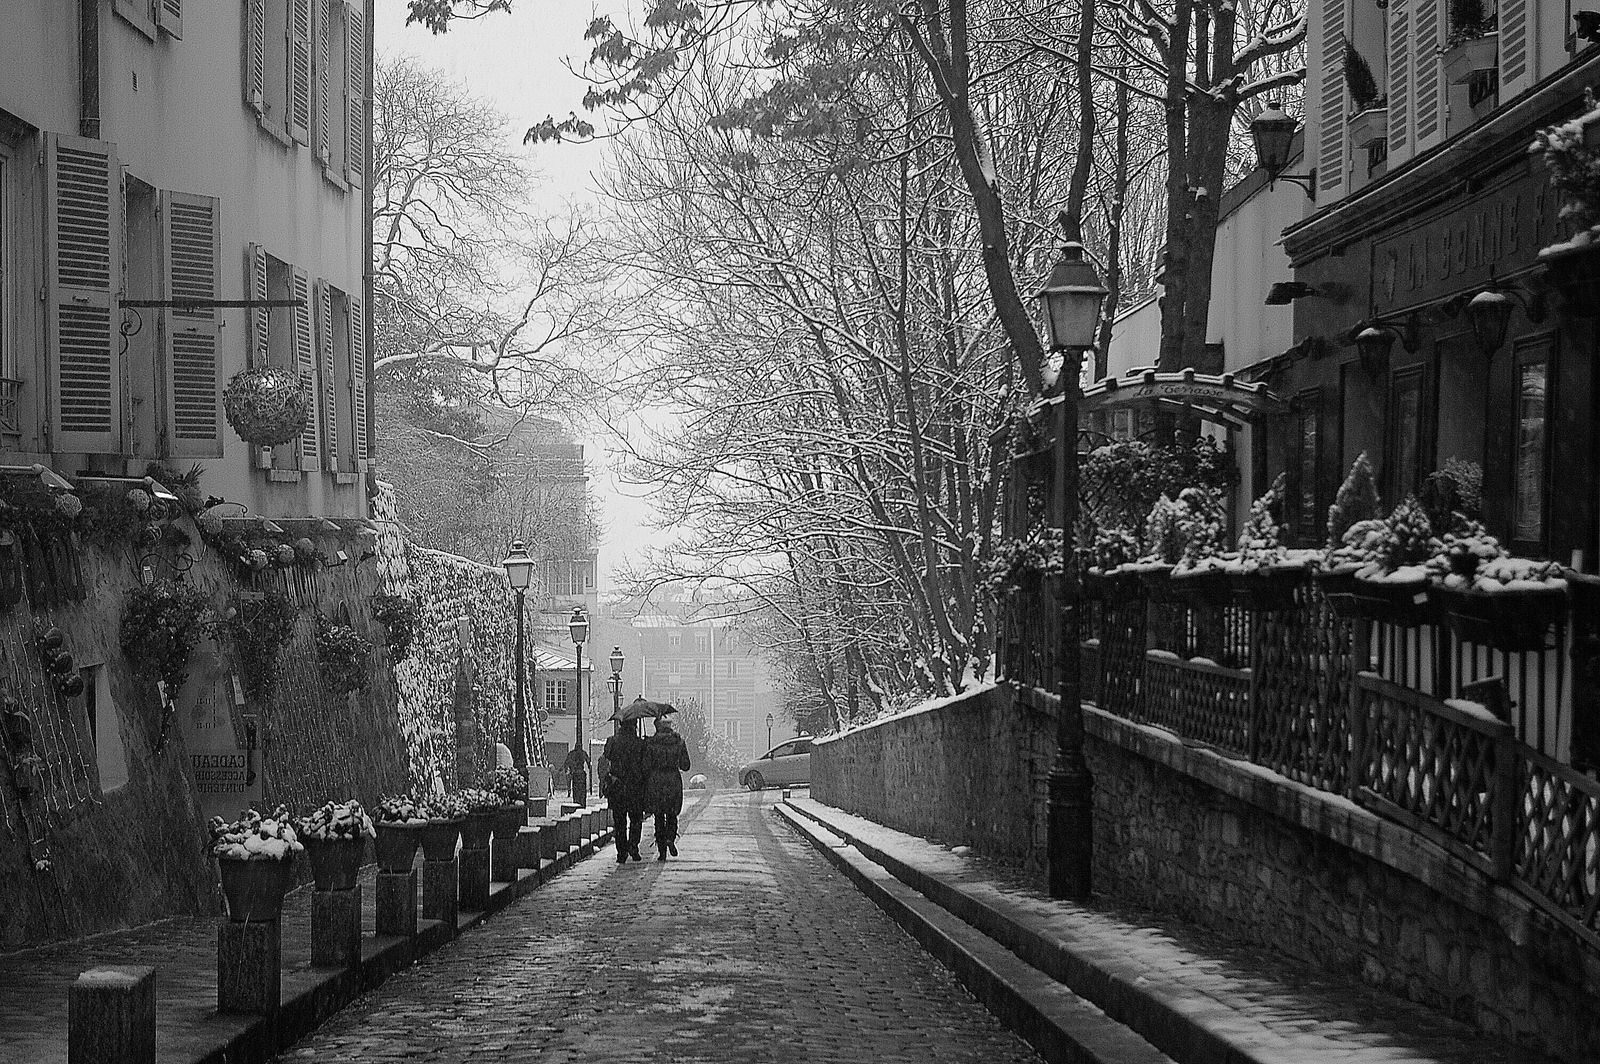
<point x="644" y="774"/>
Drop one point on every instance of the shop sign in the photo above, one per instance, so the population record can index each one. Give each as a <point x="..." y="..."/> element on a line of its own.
<point x="1455" y="249"/>
<point x="220" y="773"/>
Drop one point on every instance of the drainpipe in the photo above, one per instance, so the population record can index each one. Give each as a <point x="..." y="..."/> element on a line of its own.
<point x="89" y="69"/>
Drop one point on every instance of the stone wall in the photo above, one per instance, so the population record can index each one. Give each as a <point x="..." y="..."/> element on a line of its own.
<point x="78" y="857"/>
<point x="1314" y="876"/>
<point x="967" y="771"/>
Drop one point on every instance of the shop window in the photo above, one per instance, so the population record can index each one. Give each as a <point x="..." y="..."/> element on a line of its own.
<point x="1461" y="410"/>
<point x="1405" y="433"/>
<point x="1308" y="439"/>
<point x="1530" y="469"/>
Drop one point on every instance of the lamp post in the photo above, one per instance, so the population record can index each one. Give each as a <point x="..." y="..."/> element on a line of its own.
<point x="769" y="731"/>
<point x="519" y="574"/>
<point x="615" y="683"/>
<point x="1070" y="306"/>
<point x="578" y="626"/>
<point x="1273" y="133"/>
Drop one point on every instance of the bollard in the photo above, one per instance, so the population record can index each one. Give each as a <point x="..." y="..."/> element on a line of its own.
<point x="111" y="1016"/>
<point x="523" y="850"/>
<point x="568" y="808"/>
<point x="249" y="966"/>
<point x="538" y="807"/>
<point x="397" y="903"/>
<point x="440" y="891"/>
<point x="547" y="842"/>
<point x="474" y="879"/>
<point x="588" y="824"/>
<point x="336" y="928"/>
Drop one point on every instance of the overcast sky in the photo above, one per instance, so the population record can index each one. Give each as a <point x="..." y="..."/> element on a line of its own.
<point x="518" y="61"/>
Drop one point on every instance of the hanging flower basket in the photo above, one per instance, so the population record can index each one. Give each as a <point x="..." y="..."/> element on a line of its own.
<point x="267" y="406"/>
<point x="1511" y="619"/>
<point x="396" y="846"/>
<point x="1267" y="590"/>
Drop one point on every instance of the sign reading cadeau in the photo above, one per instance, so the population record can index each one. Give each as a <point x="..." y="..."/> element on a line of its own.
<point x="1454" y="249"/>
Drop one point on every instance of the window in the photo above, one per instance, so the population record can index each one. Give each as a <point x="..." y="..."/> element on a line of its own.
<point x="10" y="229"/>
<point x="292" y="51"/>
<point x="1122" y="424"/>
<point x="1405" y="433"/>
<point x="1532" y="445"/>
<point x="733" y="668"/>
<point x="1307" y="506"/>
<point x="700" y="668"/>
<point x="733" y="729"/>
<point x="675" y="640"/>
<point x="701" y="643"/>
<point x="555" y="697"/>
<point x="141" y="237"/>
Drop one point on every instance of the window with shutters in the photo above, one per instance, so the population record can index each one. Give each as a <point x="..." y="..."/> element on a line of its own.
<point x="189" y="370"/>
<point x="343" y="423"/>
<point x="141" y="279"/>
<point x="329" y="52"/>
<point x="268" y="70"/>
<point x="19" y="303"/>
<point x="140" y="14"/>
<point x="10" y="228"/>
<point x="281" y="351"/>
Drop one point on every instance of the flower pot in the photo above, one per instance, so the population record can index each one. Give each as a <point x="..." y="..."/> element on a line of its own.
<point x="396" y="846"/>
<point x="1158" y="585"/>
<point x="510" y="820"/>
<point x="1469" y="57"/>
<point x="1203" y="590"/>
<point x="1266" y="590"/>
<point x="254" y="889"/>
<point x="1404" y="604"/>
<point x="1114" y="587"/>
<point x="1510" y="620"/>
<point x="335" y="863"/>
<point x="439" y="839"/>
<point x="476" y="829"/>
<point x="1369" y="127"/>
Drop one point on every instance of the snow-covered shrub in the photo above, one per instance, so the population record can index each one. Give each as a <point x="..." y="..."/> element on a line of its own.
<point x="1261" y="542"/>
<point x="1357" y="501"/>
<point x="1574" y="166"/>
<point x="1201" y="522"/>
<point x="336" y="821"/>
<point x="1113" y="547"/>
<point x="254" y="837"/>
<point x="1025" y="564"/>
<point x="1163" y="542"/>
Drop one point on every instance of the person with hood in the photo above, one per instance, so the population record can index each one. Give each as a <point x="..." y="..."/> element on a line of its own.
<point x="667" y="756"/>
<point x="625" y="784"/>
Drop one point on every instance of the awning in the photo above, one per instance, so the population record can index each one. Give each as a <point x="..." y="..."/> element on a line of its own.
<point x="1211" y="397"/>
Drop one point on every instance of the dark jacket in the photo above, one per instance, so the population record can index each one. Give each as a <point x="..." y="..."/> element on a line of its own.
<point x="629" y="772"/>
<point x="668" y="756"/>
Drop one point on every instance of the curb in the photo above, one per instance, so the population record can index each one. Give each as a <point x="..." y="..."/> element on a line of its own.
<point x="313" y="996"/>
<point x="1062" y="1027"/>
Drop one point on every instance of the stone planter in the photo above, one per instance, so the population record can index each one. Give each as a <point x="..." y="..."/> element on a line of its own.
<point x="476" y="830"/>
<point x="1470" y="57"/>
<point x="510" y="820"/>
<point x="439" y="839"/>
<point x="1505" y="620"/>
<point x="254" y="889"/>
<point x="335" y="863"/>
<point x="396" y="846"/>
<point x="1369" y="127"/>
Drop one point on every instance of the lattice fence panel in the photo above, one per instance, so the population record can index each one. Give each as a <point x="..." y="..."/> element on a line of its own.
<point x="1303" y="693"/>
<point x="1202" y="703"/>
<point x="1558" y="848"/>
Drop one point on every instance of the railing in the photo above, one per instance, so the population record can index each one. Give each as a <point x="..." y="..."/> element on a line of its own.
<point x="1556" y="857"/>
<point x="1205" y="703"/>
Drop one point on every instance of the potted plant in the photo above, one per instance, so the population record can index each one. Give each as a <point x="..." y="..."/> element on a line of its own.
<point x="1268" y="573"/>
<point x="1473" y="43"/>
<point x="266" y="406"/>
<point x="1201" y="575"/>
<point x="255" y="856"/>
<point x="482" y="807"/>
<point x="1026" y="566"/>
<point x="400" y="821"/>
<point x="1371" y="121"/>
<point x="335" y="839"/>
<point x="1108" y="576"/>
<point x="445" y="814"/>
<point x="1356" y="502"/>
<point x="1163" y="541"/>
<point x="1487" y="597"/>
<point x="511" y="787"/>
<point x="1391" y="579"/>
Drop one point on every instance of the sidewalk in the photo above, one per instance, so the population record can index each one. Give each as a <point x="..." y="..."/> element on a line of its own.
<point x="1191" y="994"/>
<point x="34" y="983"/>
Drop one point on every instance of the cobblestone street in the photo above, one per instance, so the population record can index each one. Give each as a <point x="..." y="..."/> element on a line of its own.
<point x="749" y="947"/>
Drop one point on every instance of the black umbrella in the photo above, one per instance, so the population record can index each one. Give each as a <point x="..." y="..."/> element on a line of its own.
<point x="641" y="708"/>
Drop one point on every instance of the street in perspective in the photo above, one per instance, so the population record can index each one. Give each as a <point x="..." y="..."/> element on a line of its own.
<point x="706" y="532"/>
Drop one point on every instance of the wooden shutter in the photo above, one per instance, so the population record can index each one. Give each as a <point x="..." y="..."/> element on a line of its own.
<point x="322" y="83"/>
<point x="299" y="71"/>
<point x="258" y="322"/>
<point x="255" y="56"/>
<point x="1426" y="95"/>
<point x="191" y="257"/>
<point x="1516" y="67"/>
<point x="355" y="158"/>
<point x="330" y="388"/>
<point x="1330" y="152"/>
<point x="305" y="360"/>
<point x="83" y="205"/>
<point x="358" y="382"/>
<point x="169" y="16"/>
<point x="1399" y="81"/>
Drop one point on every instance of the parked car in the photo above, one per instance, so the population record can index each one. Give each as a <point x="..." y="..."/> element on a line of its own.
<point x="786" y="764"/>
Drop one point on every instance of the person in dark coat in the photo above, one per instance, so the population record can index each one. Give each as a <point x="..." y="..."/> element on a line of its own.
<point x="668" y="757"/>
<point x="625" y="786"/>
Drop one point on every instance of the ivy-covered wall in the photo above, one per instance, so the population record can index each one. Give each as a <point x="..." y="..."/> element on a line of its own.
<point x="81" y="853"/>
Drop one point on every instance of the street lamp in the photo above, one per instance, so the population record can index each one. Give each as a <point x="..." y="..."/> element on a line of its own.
<point x="615" y="683"/>
<point x="769" y="731"/>
<point x="578" y="626"/>
<point x="1273" y="133"/>
<point x="519" y="574"/>
<point x="1070" y="306"/>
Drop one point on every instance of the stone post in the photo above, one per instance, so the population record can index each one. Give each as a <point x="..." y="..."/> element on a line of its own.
<point x="397" y="903"/>
<point x="440" y="891"/>
<point x="474" y="879"/>
<point x="336" y="928"/>
<point x="249" y="966"/>
<point x="111" y="1016"/>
